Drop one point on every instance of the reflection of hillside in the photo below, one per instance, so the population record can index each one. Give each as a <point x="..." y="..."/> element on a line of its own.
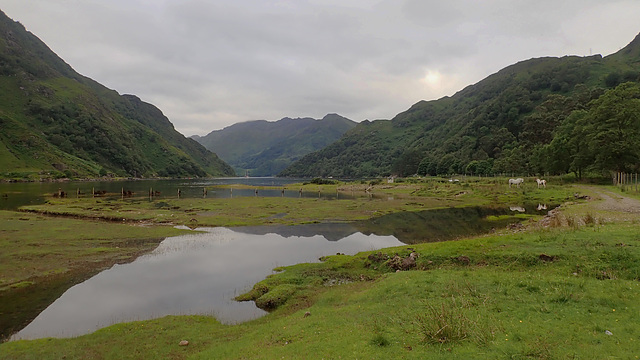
<point x="331" y="232"/>
<point x="435" y="225"/>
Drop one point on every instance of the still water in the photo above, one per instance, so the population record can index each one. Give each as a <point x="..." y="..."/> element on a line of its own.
<point x="202" y="272"/>
<point x="195" y="274"/>
<point x="14" y="195"/>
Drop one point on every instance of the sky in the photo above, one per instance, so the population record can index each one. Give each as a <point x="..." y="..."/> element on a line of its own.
<point x="210" y="64"/>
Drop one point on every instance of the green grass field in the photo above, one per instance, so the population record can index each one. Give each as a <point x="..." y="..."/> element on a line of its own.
<point x="566" y="290"/>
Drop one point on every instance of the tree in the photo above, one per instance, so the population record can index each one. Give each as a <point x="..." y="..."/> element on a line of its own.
<point x="569" y="150"/>
<point x="614" y="128"/>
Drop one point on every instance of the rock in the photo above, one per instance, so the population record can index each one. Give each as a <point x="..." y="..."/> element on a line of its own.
<point x="516" y="226"/>
<point x="545" y="257"/>
<point x="399" y="263"/>
<point x="463" y="259"/>
<point x="395" y="262"/>
<point x="379" y="257"/>
<point x="184" y="343"/>
<point x="409" y="262"/>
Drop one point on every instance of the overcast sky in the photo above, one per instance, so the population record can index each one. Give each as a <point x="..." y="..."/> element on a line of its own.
<point x="209" y="64"/>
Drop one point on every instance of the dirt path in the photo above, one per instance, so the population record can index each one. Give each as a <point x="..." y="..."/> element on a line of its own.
<point x="615" y="202"/>
<point x="610" y="206"/>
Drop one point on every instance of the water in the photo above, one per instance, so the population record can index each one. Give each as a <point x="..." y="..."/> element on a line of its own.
<point x="202" y="273"/>
<point x="14" y="195"/>
<point x="195" y="274"/>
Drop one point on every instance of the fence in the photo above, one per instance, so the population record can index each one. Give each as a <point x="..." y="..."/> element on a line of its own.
<point x="626" y="181"/>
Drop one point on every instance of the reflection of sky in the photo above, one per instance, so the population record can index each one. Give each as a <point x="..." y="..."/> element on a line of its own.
<point x="191" y="274"/>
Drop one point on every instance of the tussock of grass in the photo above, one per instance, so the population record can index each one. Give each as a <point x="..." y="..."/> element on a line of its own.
<point x="456" y="317"/>
<point x="276" y="296"/>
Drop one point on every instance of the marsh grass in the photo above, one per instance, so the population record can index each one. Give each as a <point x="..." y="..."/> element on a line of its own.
<point x="451" y="321"/>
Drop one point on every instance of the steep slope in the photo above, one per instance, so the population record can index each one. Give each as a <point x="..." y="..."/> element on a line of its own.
<point x="498" y="125"/>
<point x="265" y="148"/>
<point x="58" y="123"/>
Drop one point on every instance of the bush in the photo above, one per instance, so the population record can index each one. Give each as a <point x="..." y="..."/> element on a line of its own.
<point x="321" y="181"/>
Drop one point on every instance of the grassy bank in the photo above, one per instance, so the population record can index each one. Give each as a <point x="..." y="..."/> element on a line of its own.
<point x="540" y="293"/>
<point x="35" y="246"/>
<point x="505" y="301"/>
<point x="378" y="200"/>
<point x="42" y="256"/>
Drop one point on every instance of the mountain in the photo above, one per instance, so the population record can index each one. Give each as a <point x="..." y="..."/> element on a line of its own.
<point x="264" y="148"/>
<point x="505" y="123"/>
<point x="57" y="123"/>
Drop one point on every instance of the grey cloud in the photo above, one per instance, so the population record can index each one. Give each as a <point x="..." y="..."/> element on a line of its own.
<point x="208" y="64"/>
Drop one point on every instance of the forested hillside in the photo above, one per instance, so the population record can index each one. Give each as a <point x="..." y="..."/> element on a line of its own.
<point x="264" y="148"/>
<point x="56" y="123"/>
<point x="545" y="115"/>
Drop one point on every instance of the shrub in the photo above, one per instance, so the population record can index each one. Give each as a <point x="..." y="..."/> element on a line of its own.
<point x="321" y="181"/>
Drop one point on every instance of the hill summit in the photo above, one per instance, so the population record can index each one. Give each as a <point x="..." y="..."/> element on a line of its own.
<point x="264" y="148"/>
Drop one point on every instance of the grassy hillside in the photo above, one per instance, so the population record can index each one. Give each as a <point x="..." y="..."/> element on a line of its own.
<point x="265" y="148"/>
<point x="58" y="123"/>
<point x="499" y="125"/>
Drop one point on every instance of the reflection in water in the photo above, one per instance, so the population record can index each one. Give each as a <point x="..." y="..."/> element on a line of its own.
<point x="438" y="225"/>
<point x="192" y="274"/>
<point x="331" y="232"/>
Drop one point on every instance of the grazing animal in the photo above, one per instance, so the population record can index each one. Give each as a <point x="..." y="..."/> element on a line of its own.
<point x="516" y="182"/>
<point x="517" y="208"/>
<point x="542" y="207"/>
<point x="541" y="182"/>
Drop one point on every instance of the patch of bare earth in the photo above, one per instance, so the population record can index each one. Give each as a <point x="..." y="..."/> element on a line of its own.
<point x="599" y="206"/>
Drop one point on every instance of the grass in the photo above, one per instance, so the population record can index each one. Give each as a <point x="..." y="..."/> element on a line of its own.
<point x="243" y="211"/>
<point x="506" y="303"/>
<point x="41" y="257"/>
<point x="544" y="293"/>
<point x="57" y="245"/>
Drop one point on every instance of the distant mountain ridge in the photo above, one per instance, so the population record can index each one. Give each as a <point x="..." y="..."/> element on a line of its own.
<point x="264" y="148"/>
<point x="510" y="122"/>
<point x="57" y="123"/>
